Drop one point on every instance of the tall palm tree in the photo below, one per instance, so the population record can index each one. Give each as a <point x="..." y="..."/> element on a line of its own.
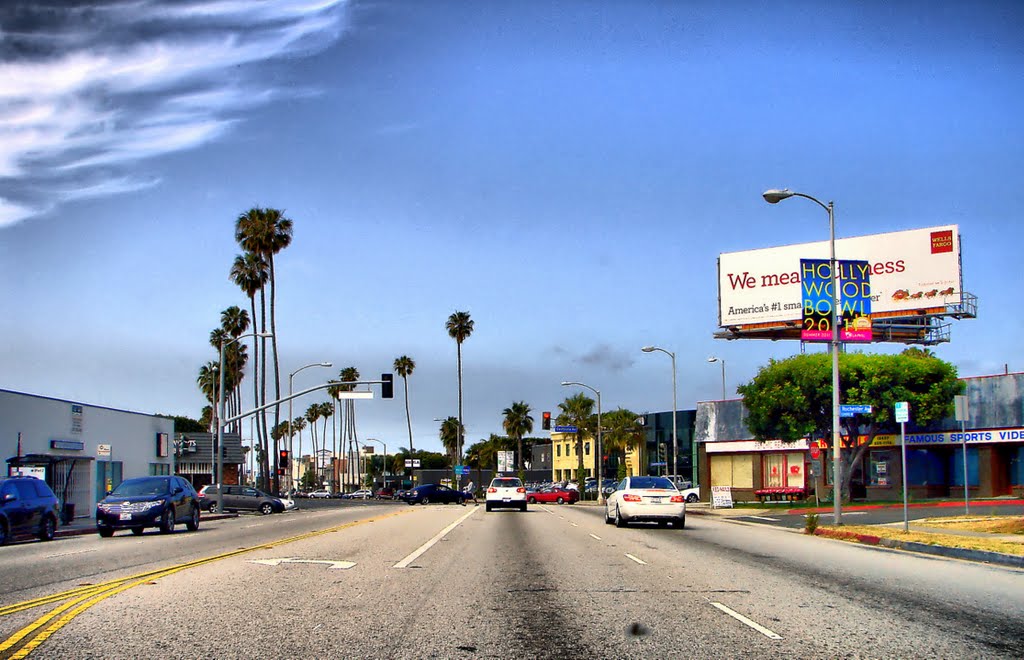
<point x="459" y="327"/>
<point x="404" y="367"/>
<point x="209" y="375"/>
<point x="577" y="411"/>
<point x="266" y="232"/>
<point x="450" y="437"/>
<point x="518" y="423"/>
<point x="250" y="272"/>
<point x="348" y="376"/>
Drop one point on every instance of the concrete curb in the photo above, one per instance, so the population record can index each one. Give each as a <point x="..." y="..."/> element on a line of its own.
<point x="90" y="528"/>
<point x="985" y="556"/>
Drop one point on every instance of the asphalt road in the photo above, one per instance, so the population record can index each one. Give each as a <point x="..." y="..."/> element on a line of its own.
<point x="386" y="580"/>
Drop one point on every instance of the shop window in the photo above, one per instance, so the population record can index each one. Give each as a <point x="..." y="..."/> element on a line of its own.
<point x="736" y="471"/>
<point x="956" y="467"/>
<point x="159" y="469"/>
<point x="558" y="451"/>
<point x="925" y="467"/>
<point x="783" y="470"/>
<point x="586" y="449"/>
<point x="880" y="468"/>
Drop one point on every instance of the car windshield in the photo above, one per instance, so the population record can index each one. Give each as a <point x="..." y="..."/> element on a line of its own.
<point x="136" y="487"/>
<point x="509" y="482"/>
<point x="650" y="482"/>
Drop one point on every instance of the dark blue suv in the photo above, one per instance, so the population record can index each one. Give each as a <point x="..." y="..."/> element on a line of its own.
<point x="143" y="502"/>
<point x="27" y="506"/>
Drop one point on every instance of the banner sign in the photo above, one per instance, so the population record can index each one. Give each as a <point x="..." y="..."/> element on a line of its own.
<point x="854" y="300"/>
<point x="721" y="497"/>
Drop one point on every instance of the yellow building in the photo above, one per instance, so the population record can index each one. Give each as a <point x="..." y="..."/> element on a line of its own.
<point x="564" y="459"/>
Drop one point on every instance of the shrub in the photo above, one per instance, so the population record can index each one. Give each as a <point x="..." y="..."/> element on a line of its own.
<point x="810" y="523"/>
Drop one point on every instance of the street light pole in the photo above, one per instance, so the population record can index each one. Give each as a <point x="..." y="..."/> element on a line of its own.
<point x="220" y="413"/>
<point x="597" y="471"/>
<point x="291" y="467"/>
<point x="722" y="360"/>
<point x="675" y="441"/>
<point x="385" y="468"/>
<point x="774" y="197"/>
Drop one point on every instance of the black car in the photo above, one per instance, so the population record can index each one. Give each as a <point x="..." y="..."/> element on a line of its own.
<point x="27" y="506"/>
<point x="148" y="502"/>
<point x="240" y="498"/>
<point x="428" y="493"/>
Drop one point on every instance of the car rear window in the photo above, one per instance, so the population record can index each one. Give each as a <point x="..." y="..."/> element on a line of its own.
<point x="511" y="482"/>
<point x="650" y="482"/>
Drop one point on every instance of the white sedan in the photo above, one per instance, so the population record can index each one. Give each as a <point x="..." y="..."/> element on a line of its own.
<point x="506" y="492"/>
<point x="646" y="499"/>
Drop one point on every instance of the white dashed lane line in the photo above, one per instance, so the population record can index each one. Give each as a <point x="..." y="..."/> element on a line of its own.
<point x="744" y="620"/>
<point x="637" y="559"/>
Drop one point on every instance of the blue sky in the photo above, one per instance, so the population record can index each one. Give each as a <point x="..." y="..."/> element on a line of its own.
<point x="567" y="172"/>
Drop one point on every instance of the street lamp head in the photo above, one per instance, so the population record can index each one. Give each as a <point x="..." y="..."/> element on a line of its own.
<point x="774" y="196"/>
<point x="712" y="359"/>
<point x="264" y="334"/>
<point x="326" y="364"/>
<point x="647" y="349"/>
<point x="566" y="383"/>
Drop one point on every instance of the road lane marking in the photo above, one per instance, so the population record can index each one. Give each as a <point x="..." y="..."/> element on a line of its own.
<point x="763" y="518"/>
<point x="339" y="563"/>
<point x="574" y="524"/>
<point x="68" y="554"/>
<point x="637" y="559"/>
<point x="440" y="535"/>
<point x="595" y="536"/>
<point x="744" y="620"/>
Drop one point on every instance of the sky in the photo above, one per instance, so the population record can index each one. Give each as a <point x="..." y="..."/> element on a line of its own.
<point x="566" y="172"/>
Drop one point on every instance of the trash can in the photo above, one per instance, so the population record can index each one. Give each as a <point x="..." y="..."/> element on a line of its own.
<point x="68" y="513"/>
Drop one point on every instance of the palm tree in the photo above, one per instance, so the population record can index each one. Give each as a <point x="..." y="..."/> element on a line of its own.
<point x="450" y="437"/>
<point x="577" y="411"/>
<point x="404" y="366"/>
<point x="459" y="327"/>
<point x="348" y="376"/>
<point x="518" y="423"/>
<point x="621" y="432"/>
<point x="266" y="232"/>
<point x="250" y="272"/>
<point x="209" y="375"/>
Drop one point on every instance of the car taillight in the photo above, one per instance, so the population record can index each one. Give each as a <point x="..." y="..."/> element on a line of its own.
<point x="492" y="490"/>
<point x="630" y="498"/>
<point x="676" y="498"/>
<point x="520" y="490"/>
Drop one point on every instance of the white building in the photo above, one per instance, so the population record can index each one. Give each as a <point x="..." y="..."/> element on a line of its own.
<point x="81" y="450"/>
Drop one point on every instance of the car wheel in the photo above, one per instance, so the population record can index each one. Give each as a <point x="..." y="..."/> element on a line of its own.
<point x="266" y="508"/>
<point x="213" y="507"/>
<point x="619" y="520"/>
<point x="561" y="500"/>
<point x="167" y="522"/>
<point x="105" y="532"/>
<point x="47" y="528"/>
<point x="4" y="536"/>
<point x="681" y="522"/>
<point x="192" y="524"/>
<point x="532" y="500"/>
<point x="691" y="498"/>
<point x="410" y="502"/>
<point x="426" y="500"/>
<point x="137" y="531"/>
<point x="607" y="519"/>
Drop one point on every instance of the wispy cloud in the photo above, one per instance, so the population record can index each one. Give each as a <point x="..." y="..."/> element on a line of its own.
<point x="90" y="89"/>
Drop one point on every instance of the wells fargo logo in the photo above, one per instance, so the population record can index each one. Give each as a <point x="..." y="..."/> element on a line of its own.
<point x="942" y="241"/>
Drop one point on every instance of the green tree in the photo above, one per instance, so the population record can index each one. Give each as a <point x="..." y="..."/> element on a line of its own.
<point x="459" y="327"/>
<point x="517" y="423"/>
<point x="792" y="399"/>
<point x="578" y="411"/>
<point x="449" y="434"/>
<point x="404" y="367"/>
<point x="621" y="433"/>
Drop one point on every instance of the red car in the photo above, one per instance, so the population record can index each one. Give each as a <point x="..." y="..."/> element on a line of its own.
<point x="556" y="495"/>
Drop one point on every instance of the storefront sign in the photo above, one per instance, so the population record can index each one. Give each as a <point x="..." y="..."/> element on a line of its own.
<point x="74" y="445"/>
<point x="721" y="497"/>
<point x="952" y="437"/>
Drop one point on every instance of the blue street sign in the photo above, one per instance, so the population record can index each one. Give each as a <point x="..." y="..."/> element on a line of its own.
<point x="854" y="409"/>
<point x="461" y="469"/>
<point x="566" y="429"/>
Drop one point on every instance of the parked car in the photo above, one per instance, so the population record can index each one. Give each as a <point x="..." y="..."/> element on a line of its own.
<point x="361" y="494"/>
<point x="690" y="491"/>
<point x="506" y="492"/>
<point x="143" y="502"/>
<point x="553" y="495"/>
<point x="646" y="499"/>
<point x="428" y="493"/>
<point x="320" y="494"/>
<point x="385" y="494"/>
<point x="240" y="498"/>
<point x="27" y="506"/>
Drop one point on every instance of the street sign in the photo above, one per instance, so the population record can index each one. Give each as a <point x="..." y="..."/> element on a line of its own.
<point x="412" y="462"/>
<point x="461" y="470"/>
<point x="849" y="410"/>
<point x="961" y="411"/>
<point x="566" y="429"/>
<point x="103" y="450"/>
<point x="902" y="411"/>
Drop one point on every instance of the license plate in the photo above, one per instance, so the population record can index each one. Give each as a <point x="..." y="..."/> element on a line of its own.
<point x="656" y="500"/>
<point x="125" y="515"/>
<point x="506" y="499"/>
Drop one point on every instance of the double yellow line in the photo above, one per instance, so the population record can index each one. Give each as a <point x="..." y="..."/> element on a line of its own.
<point x="82" y="598"/>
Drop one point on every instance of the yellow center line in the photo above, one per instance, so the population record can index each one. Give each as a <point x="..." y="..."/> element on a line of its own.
<point x="86" y="597"/>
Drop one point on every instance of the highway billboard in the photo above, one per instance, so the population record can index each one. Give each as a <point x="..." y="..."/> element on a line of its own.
<point x="911" y="270"/>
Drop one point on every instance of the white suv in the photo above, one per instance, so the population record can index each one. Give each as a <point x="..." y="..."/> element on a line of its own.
<point x="506" y="492"/>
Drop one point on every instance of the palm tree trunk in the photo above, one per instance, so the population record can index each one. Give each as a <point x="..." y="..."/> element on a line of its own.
<point x="408" y="419"/>
<point x="263" y="391"/>
<point x="277" y="370"/>
<point x="458" y="442"/>
<point x="256" y="379"/>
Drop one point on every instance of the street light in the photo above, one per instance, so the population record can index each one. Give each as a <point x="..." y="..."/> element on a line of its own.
<point x="598" y="476"/>
<point x="220" y="413"/>
<point x="385" y="469"/>
<point x="774" y="197"/>
<point x="722" y="360"/>
<point x="675" y="443"/>
<point x="291" y="454"/>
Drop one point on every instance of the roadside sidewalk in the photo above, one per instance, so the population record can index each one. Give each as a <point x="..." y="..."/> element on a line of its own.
<point x="80" y="526"/>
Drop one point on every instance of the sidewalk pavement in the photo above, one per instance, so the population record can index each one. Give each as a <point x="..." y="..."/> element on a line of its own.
<point x="80" y="526"/>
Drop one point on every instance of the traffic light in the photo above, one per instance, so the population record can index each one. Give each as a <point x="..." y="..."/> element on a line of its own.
<point x="387" y="386"/>
<point x="546" y="421"/>
<point x="282" y="459"/>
